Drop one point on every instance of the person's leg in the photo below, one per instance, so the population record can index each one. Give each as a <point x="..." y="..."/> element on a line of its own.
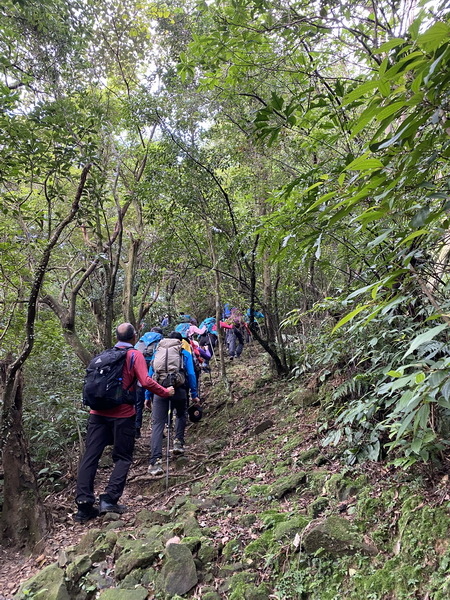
<point x="231" y="340"/>
<point x="160" y="409"/>
<point x="99" y="435"/>
<point x="122" y="455"/>
<point x="240" y="343"/>
<point x="140" y="398"/>
<point x="181" y="420"/>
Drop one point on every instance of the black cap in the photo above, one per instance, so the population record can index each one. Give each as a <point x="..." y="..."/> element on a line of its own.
<point x="195" y="413"/>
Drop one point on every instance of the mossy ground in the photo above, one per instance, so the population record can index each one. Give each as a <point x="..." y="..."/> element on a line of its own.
<point x="232" y="515"/>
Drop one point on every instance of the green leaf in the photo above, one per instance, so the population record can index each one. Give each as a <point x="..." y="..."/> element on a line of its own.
<point x="360" y="91"/>
<point x="389" y="45"/>
<point x="413" y="235"/>
<point x="349" y="317"/>
<point x="394" y="374"/>
<point x="364" y="164"/>
<point x="389" y="110"/>
<point x="436" y="35"/>
<point x="445" y="390"/>
<point x="420" y="377"/>
<point x="424" y="337"/>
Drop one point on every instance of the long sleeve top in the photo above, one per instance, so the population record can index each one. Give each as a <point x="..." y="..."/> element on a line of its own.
<point x="134" y="368"/>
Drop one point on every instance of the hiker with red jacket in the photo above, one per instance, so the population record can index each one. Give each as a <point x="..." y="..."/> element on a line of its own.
<point x="235" y="333"/>
<point x="116" y="427"/>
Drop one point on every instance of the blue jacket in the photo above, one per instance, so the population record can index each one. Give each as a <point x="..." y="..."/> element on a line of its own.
<point x="188" y="365"/>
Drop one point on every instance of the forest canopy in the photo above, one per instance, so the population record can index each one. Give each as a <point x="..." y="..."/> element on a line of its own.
<point x="288" y="157"/>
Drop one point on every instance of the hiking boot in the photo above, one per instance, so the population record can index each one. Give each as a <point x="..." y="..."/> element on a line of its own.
<point x="107" y="506"/>
<point x="178" y="447"/>
<point x="156" y="470"/>
<point x="85" y="512"/>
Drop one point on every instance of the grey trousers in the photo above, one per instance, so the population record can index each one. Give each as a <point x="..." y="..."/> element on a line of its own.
<point x="235" y="341"/>
<point x="160" y="413"/>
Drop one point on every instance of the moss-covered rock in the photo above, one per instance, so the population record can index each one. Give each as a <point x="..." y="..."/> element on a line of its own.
<point x="89" y="541"/>
<point x="335" y="536"/>
<point x="132" y="580"/>
<point x="317" y="507"/>
<point x="210" y="595"/>
<point x="139" y="593"/>
<point x="248" y="520"/>
<point x="287" y="485"/>
<point x="237" y="582"/>
<point x="286" y="530"/>
<point x="79" y="567"/>
<point x="178" y="574"/>
<point x="50" y="583"/>
<point x="238" y="464"/>
<point x="316" y="481"/>
<point x="152" y="517"/>
<point x="259" y="490"/>
<point x="232" y="549"/>
<point x="257" y="549"/>
<point x="136" y="553"/>
<point x="207" y="553"/>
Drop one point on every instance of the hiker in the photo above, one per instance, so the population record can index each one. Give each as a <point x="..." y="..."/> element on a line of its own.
<point x="147" y="344"/>
<point x="114" y="426"/>
<point x="235" y="333"/>
<point x="171" y="361"/>
<point x="226" y="312"/>
<point x="208" y="339"/>
<point x="250" y="325"/>
<point x="184" y="323"/>
<point x="165" y="321"/>
<point x="194" y="330"/>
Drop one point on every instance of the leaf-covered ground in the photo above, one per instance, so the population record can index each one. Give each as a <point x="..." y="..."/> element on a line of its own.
<point x="246" y="449"/>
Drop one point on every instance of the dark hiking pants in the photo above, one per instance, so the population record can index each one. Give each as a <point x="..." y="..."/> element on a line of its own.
<point x="160" y="411"/>
<point x="101" y="432"/>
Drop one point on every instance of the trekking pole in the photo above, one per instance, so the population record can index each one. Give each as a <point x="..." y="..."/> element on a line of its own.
<point x="168" y="445"/>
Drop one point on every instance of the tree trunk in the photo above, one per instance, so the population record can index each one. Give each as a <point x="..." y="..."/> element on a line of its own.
<point x="68" y="328"/>
<point x="23" y="520"/>
<point x="222" y="367"/>
<point x="130" y="273"/>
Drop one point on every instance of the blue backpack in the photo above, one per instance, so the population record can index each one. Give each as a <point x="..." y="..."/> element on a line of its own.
<point x="148" y="343"/>
<point x="183" y="329"/>
<point x="209" y="324"/>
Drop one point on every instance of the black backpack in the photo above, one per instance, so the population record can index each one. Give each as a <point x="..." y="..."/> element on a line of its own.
<point x="103" y="381"/>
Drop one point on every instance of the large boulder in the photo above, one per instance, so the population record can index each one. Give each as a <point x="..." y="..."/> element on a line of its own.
<point x="178" y="574"/>
<point x="336" y="537"/>
<point x="139" y="593"/>
<point x="135" y="554"/>
<point x="51" y="579"/>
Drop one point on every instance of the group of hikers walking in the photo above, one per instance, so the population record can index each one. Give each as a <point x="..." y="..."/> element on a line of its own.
<point x="159" y="370"/>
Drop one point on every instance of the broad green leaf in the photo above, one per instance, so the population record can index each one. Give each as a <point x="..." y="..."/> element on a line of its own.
<point x="389" y="45"/>
<point x="384" y="87"/>
<point x="379" y="239"/>
<point x="405" y="424"/>
<point x="413" y="235"/>
<point x="349" y="317"/>
<point x="420" y="377"/>
<point x="424" y="337"/>
<point x="436" y="35"/>
<point x="387" y="111"/>
<point x="364" y="164"/>
<point x="445" y="390"/>
<point x="360" y="91"/>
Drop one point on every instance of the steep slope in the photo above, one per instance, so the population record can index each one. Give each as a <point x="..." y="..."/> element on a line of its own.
<point x="256" y="510"/>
